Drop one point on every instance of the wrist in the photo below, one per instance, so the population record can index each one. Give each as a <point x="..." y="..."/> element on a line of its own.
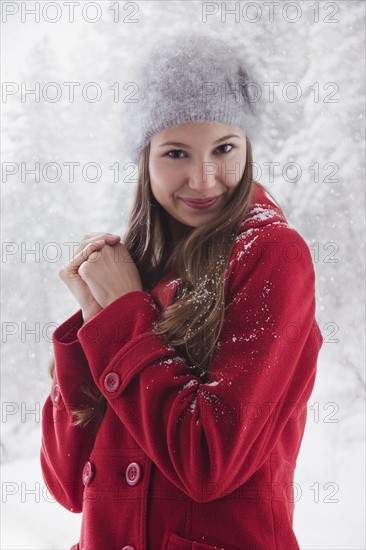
<point x="88" y="314"/>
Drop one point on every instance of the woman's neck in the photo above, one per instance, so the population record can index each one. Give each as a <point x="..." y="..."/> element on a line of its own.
<point x="178" y="230"/>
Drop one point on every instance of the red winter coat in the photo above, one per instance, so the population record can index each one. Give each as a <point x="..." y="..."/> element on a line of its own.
<point x="179" y="464"/>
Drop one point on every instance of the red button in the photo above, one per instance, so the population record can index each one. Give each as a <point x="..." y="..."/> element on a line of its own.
<point x="133" y="473"/>
<point x="88" y="472"/>
<point x="56" y="394"/>
<point x="112" y="382"/>
<point x="128" y="548"/>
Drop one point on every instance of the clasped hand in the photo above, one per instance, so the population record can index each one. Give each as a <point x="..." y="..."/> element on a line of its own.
<point x="101" y="271"/>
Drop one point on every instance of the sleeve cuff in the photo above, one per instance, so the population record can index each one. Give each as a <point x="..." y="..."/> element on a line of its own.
<point x="72" y="367"/>
<point x="66" y="333"/>
<point x="123" y="329"/>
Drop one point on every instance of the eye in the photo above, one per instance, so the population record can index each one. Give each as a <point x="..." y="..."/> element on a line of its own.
<point x="174" y="151"/>
<point x="225" y="145"/>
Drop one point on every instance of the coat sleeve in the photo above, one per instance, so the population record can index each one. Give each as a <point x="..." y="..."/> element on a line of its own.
<point x="209" y="438"/>
<point x="65" y="448"/>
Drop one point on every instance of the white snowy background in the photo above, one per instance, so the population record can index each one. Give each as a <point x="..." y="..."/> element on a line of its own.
<point x="323" y="198"/>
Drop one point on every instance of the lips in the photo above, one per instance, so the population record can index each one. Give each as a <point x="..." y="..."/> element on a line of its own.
<point x="206" y="203"/>
<point x="201" y="201"/>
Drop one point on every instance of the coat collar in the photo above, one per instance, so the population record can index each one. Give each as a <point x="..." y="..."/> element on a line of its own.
<point x="262" y="211"/>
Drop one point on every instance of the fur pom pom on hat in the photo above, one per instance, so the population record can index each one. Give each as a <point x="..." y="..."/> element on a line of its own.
<point x="185" y="78"/>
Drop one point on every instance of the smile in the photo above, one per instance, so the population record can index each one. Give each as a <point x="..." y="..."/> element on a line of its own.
<point x="200" y="204"/>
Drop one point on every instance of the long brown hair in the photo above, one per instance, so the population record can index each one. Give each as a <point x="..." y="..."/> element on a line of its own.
<point x="192" y="323"/>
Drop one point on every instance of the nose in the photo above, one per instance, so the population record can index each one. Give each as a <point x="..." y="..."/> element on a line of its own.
<point x="201" y="176"/>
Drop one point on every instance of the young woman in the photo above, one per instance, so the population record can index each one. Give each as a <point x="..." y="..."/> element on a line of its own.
<point x="180" y="386"/>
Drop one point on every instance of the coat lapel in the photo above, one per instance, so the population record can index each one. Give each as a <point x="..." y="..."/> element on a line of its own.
<point x="165" y="289"/>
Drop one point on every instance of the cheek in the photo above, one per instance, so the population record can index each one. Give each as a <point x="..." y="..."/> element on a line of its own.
<point x="164" y="180"/>
<point x="232" y="170"/>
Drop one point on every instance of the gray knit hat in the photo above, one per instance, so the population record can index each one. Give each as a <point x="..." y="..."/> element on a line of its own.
<point x="190" y="77"/>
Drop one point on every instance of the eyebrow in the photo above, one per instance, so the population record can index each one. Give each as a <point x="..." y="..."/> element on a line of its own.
<point x="178" y="144"/>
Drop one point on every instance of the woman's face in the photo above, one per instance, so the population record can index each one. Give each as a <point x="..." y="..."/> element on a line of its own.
<point x="197" y="160"/>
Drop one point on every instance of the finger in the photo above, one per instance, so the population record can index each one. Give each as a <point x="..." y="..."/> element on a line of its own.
<point x="109" y="236"/>
<point x="88" y="246"/>
<point x="85" y="252"/>
<point x="99" y="235"/>
<point x="92" y="247"/>
<point x="111" y="240"/>
<point x="92" y="252"/>
<point x="70" y="271"/>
